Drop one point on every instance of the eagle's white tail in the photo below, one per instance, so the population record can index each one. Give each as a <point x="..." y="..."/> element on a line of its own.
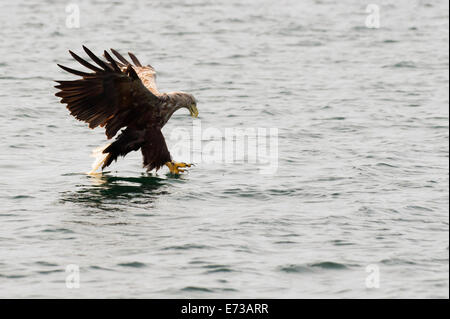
<point x="100" y="158"/>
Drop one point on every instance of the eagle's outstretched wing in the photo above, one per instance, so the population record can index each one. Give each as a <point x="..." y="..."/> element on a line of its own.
<point x="110" y="96"/>
<point x="146" y="73"/>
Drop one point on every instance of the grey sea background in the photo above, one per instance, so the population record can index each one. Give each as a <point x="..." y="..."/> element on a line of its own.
<point x="362" y="180"/>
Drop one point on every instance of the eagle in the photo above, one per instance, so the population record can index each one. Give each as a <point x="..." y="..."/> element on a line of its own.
<point x="118" y="94"/>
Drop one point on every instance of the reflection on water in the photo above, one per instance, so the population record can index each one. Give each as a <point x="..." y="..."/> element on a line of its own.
<point x="106" y="191"/>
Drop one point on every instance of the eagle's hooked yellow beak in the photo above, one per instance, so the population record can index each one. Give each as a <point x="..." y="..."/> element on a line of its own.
<point x="193" y="110"/>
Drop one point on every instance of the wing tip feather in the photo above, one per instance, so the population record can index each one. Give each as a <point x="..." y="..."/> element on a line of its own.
<point x="135" y="59"/>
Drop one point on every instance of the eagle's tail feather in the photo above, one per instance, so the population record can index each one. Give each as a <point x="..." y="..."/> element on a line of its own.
<point x="100" y="158"/>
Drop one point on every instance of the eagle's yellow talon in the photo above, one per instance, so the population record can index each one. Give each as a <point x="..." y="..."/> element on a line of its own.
<point x="174" y="167"/>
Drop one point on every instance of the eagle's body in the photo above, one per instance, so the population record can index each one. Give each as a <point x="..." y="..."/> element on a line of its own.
<point x="121" y="95"/>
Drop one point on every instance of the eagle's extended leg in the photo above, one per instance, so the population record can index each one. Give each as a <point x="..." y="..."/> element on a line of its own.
<point x="129" y="140"/>
<point x="174" y="167"/>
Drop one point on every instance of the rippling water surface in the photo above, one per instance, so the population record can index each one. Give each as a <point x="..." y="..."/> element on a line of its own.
<point x="362" y="173"/>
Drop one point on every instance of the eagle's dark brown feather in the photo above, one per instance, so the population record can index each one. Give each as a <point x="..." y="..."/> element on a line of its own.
<point x="155" y="150"/>
<point x="120" y="57"/>
<point x="127" y="141"/>
<point x="85" y="63"/>
<point x="109" y="96"/>
<point x="150" y="141"/>
<point x="146" y="73"/>
<point x="134" y="59"/>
